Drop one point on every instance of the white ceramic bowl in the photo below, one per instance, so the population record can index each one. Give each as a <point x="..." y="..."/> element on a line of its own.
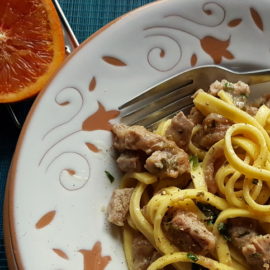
<point x="58" y="191"/>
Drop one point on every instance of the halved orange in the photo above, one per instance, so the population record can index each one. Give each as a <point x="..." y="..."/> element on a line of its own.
<point x="31" y="47"/>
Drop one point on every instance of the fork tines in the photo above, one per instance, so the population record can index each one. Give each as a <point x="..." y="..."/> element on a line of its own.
<point x="174" y="94"/>
<point x="159" y="102"/>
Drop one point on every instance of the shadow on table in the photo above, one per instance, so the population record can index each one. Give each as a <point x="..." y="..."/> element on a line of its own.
<point x="9" y="134"/>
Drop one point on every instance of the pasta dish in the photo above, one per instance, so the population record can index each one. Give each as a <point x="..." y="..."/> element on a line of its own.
<point x="195" y="191"/>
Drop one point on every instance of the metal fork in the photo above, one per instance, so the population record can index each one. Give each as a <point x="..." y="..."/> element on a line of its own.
<point x="71" y="43"/>
<point x="174" y="94"/>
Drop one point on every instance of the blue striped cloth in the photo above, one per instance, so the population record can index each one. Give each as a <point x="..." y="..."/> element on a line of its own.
<point x="85" y="17"/>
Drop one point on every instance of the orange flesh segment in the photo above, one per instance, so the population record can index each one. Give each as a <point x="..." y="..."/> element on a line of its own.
<point x="31" y="47"/>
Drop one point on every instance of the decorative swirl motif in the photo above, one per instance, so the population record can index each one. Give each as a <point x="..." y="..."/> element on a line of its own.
<point x="164" y="59"/>
<point x="60" y="253"/>
<point x="45" y="220"/>
<point x="234" y="22"/>
<point x="77" y="175"/>
<point x="256" y="18"/>
<point x="93" y="259"/>
<point x="212" y="9"/>
<point x="193" y="59"/>
<point x="66" y="97"/>
<point x="216" y="13"/>
<point x="54" y="145"/>
<point x="92" y="84"/>
<point x="114" y="61"/>
<point x="100" y="119"/>
<point x="73" y="177"/>
<point x="214" y="47"/>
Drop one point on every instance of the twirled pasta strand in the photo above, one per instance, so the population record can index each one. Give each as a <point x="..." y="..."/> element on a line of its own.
<point x="243" y="183"/>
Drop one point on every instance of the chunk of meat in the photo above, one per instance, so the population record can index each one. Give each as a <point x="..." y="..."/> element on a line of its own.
<point x="129" y="161"/>
<point x="167" y="164"/>
<point x="241" y="230"/>
<point x="214" y="128"/>
<point x="195" y="116"/>
<point x="252" y="110"/>
<point x="188" y="233"/>
<point x="240" y="101"/>
<point x="246" y="236"/>
<point x="138" y="138"/>
<point x="237" y="89"/>
<point x="257" y="252"/>
<point x="264" y="100"/>
<point x="180" y="130"/>
<point x="143" y="252"/>
<point x="119" y="205"/>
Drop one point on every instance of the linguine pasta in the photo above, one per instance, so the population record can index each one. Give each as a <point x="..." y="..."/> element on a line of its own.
<point x="242" y="190"/>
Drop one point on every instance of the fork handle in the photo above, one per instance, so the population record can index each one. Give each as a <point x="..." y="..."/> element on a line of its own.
<point x="249" y="77"/>
<point x="255" y="77"/>
<point x="69" y="36"/>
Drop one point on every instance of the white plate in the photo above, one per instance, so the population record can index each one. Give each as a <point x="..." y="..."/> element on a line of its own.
<point x="58" y="190"/>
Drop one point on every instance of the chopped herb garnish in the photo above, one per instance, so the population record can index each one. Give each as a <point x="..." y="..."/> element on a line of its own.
<point x="244" y="95"/>
<point x="110" y="177"/>
<point x="228" y="86"/>
<point x="223" y="230"/>
<point x="256" y="255"/>
<point x="209" y="211"/>
<point x="255" y="181"/>
<point x="194" y="161"/>
<point x="192" y="257"/>
<point x="209" y="221"/>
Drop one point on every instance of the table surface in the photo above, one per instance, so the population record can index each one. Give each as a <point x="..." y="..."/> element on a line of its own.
<point x="85" y="17"/>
